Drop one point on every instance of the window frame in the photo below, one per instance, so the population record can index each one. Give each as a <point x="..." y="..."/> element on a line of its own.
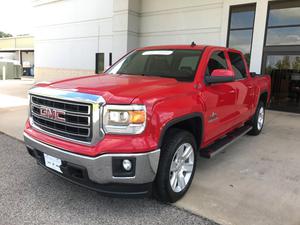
<point x="210" y="56"/>
<point x="275" y="49"/>
<point x="267" y="27"/>
<point x="229" y="29"/>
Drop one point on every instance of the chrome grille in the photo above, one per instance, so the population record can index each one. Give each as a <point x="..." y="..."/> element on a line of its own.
<point x="58" y="104"/>
<point x="76" y="119"/>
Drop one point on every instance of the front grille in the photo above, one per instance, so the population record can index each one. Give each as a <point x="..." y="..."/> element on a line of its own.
<point x="74" y="122"/>
<point x="68" y="106"/>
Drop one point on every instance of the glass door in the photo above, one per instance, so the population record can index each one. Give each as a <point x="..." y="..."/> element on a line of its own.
<point x="285" y="73"/>
<point x="282" y="54"/>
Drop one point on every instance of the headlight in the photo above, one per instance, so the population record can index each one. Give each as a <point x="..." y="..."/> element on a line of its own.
<point x="124" y="119"/>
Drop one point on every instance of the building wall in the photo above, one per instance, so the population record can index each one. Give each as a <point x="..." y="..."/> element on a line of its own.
<point x="19" y="42"/>
<point x="11" y="48"/>
<point x="8" y="55"/>
<point x="70" y="32"/>
<point x="181" y="22"/>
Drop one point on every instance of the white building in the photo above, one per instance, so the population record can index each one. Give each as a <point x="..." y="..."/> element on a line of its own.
<point x="69" y="33"/>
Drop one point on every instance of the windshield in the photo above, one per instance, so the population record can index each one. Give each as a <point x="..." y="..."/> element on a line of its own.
<point x="178" y="64"/>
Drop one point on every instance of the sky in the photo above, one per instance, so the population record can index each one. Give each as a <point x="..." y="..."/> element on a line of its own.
<point x="16" y="16"/>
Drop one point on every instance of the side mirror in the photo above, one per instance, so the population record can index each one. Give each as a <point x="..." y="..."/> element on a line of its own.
<point x="253" y="74"/>
<point x="220" y="76"/>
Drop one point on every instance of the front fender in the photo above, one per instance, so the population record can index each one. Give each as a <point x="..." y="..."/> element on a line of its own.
<point x="171" y="111"/>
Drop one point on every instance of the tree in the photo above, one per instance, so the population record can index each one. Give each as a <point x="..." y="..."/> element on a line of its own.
<point x="4" y="35"/>
<point x="284" y="64"/>
<point x="296" y="63"/>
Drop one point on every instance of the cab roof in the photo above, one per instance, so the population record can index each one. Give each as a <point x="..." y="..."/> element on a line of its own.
<point x="186" y="47"/>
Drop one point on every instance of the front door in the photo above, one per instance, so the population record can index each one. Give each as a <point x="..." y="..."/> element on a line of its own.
<point x="221" y="99"/>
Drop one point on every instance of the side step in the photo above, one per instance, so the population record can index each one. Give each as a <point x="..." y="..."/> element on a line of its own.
<point x="221" y="144"/>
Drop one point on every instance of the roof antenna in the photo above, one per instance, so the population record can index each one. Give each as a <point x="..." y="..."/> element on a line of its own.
<point x="193" y="44"/>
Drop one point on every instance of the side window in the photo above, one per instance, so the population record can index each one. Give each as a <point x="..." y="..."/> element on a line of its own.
<point x="238" y="65"/>
<point x="216" y="61"/>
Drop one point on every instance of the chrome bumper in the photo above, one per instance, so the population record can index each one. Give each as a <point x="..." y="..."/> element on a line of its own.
<point x="99" y="168"/>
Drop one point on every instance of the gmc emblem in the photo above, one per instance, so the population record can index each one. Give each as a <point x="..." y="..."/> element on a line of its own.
<point x="52" y="114"/>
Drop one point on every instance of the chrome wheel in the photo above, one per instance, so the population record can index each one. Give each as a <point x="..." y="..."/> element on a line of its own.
<point x="261" y="118"/>
<point x="182" y="167"/>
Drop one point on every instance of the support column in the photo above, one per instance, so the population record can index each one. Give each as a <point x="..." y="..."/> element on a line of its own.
<point x="259" y="35"/>
<point x="125" y="26"/>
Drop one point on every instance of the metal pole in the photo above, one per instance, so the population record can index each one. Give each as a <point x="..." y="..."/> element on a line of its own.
<point x="4" y="73"/>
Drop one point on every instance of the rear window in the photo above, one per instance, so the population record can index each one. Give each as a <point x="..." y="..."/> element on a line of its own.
<point x="238" y="65"/>
<point x="179" y="64"/>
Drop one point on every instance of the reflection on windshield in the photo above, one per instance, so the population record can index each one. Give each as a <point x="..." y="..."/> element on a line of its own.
<point x="178" y="64"/>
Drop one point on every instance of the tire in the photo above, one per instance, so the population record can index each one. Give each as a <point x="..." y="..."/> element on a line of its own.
<point x="258" y="120"/>
<point x="181" y="175"/>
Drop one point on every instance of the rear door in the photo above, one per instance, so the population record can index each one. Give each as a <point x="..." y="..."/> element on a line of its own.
<point x="219" y="99"/>
<point x="243" y="84"/>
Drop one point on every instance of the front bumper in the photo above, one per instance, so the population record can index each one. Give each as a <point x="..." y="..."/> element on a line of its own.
<point x="96" y="172"/>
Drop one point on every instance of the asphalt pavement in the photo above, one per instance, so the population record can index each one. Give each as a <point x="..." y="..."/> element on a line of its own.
<point x="255" y="181"/>
<point x="30" y="195"/>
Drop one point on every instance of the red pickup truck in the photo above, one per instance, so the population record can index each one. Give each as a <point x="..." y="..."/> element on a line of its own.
<point x="137" y="128"/>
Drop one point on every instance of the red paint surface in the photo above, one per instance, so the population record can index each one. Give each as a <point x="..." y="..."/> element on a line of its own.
<point x="166" y="99"/>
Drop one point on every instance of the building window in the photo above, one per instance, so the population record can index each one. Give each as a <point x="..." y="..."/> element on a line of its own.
<point x="282" y="54"/>
<point x="99" y="68"/>
<point x="240" y="30"/>
<point x="283" y="23"/>
<point x="110" y="59"/>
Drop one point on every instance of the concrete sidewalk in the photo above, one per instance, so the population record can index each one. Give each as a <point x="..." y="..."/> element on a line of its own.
<point x="256" y="181"/>
<point x="14" y="106"/>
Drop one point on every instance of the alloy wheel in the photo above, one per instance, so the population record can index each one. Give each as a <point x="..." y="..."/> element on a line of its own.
<point x="182" y="167"/>
<point x="261" y="118"/>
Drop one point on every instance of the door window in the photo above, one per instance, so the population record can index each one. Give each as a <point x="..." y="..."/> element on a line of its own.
<point x="238" y="65"/>
<point x="216" y="61"/>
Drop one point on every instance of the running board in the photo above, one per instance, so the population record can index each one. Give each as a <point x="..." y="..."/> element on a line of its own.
<point x="221" y="144"/>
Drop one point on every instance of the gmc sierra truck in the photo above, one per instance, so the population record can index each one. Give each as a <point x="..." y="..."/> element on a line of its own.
<point x="138" y="127"/>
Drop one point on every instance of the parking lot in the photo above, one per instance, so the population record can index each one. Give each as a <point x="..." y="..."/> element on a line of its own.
<point x="256" y="181"/>
<point x="31" y="195"/>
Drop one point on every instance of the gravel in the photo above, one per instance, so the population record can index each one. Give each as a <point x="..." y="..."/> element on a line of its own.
<point x="31" y="195"/>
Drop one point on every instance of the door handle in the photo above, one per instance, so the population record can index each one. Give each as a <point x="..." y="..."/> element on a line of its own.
<point x="232" y="92"/>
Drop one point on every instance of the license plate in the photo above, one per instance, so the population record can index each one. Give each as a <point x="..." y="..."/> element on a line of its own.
<point x="52" y="163"/>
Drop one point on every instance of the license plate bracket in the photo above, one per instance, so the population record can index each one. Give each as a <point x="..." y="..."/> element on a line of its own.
<point x="53" y="162"/>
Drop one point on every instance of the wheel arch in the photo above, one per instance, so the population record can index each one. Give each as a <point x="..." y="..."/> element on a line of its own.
<point x="191" y="122"/>
<point x="263" y="97"/>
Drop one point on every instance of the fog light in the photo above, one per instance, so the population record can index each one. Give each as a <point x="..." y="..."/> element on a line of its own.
<point x="127" y="165"/>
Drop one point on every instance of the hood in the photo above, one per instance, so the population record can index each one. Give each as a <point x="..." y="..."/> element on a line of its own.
<point x="115" y="89"/>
